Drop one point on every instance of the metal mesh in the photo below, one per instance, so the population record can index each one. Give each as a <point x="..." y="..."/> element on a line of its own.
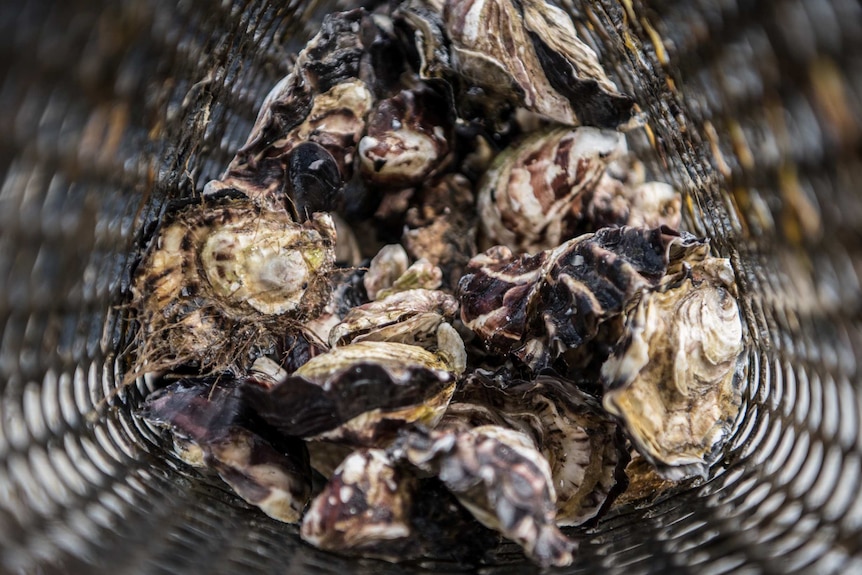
<point x="109" y="109"/>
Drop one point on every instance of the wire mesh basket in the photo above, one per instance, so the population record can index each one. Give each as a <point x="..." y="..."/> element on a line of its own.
<point x="108" y="110"/>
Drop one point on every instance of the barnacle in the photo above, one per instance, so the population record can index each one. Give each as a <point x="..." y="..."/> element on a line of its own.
<point x="673" y="380"/>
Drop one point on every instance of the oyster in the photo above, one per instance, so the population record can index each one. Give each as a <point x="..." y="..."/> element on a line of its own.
<point x="534" y="194"/>
<point x="528" y="54"/>
<point x="374" y="507"/>
<point x="212" y="427"/>
<point x="539" y="306"/>
<point x="613" y="202"/>
<point x="498" y="475"/>
<point x="580" y="442"/>
<point x="359" y="394"/>
<point x="673" y="380"/>
<point x="440" y="226"/>
<point x="407" y="138"/>
<point x="385" y="267"/>
<point x="223" y="277"/>
<point x="325" y="100"/>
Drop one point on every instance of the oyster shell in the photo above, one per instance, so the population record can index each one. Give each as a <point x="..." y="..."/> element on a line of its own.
<point x="385" y="267"/>
<point x="498" y="475"/>
<point x="359" y="394"/>
<point x="325" y="99"/>
<point x="374" y="507"/>
<point x="645" y="205"/>
<point x="539" y="306"/>
<point x="440" y="226"/>
<point x="534" y="194"/>
<point x="211" y="426"/>
<point x="528" y="54"/>
<point x="673" y="380"/>
<point x="222" y="278"/>
<point x="407" y="138"/>
<point x="580" y="442"/>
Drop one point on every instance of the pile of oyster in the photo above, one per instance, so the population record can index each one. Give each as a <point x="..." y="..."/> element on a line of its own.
<point x="434" y="296"/>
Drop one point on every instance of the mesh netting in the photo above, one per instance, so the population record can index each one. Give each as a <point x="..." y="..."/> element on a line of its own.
<point x="110" y="109"/>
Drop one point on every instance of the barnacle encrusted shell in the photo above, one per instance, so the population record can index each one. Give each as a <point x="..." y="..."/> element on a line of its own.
<point x="673" y="381"/>
<point x="359" y="394"/>
<point x="578" y="439"/>
<point x="209" y="422"/>
<point x="499" y="476"/>
<point x="536" y="192"/>
<point x="221" y="278"/>
<point x="539" y="306"/>
<point x="407" y="138"/>
<point x="528" y="53"/>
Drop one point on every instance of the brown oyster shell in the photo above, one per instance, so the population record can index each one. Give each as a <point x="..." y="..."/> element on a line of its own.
<point x="674" y="379"/>
<point x="366" y="502"/>
<point x="539" y="306"/>
<point x="207" y="418"/>
<point x="325" y="99"/>
<point x="551" y="72"/>
<point x="579" y="440"/>
<point x="440" y="226"/>
<point x="534" y="194"/>
<point x="498" y="475"/>
<point x="220" y="279"/>
<point x="407" y="138"/>
<point x="358" y="394"/>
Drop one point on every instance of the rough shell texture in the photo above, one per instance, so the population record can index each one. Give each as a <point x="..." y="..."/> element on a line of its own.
<point x="326" y="99"/>
<point x="358" y="394"/>
<point x="210" y="416"/>
<point x="539" y="306"/>
<point x="364" y="508"/>
<point x="673" y="381"/>
<point x="410" y="316"/>
<point x="221" y="278"/>
<point x="552" y="72"/>
<point x="498" y="475"/>
<point x="407" y="138"/>
<point x="535" y="193"/>
<point x="577" y="438"/>
<point x="440" y="226"/>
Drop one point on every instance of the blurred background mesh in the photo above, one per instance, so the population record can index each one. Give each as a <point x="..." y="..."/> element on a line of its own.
<point x="109" y="109"/>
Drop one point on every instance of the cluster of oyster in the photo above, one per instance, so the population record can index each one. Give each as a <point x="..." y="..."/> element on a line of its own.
<point x="434" y="295"/>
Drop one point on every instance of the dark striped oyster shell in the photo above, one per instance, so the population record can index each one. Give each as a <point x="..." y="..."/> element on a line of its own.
<point x="537" y="307"/>
<point x="212" y="427"/>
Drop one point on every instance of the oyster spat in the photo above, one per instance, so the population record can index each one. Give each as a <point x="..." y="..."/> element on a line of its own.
<point x="529" y="54"/>
<point x="536" y="192"/>
<point x="440" y="226"/>
<point x="219" y="278"/>
<point x="500" y="477"/>
<point x="538" y="306"/>
<point x="581" y="443"/>
<point x="358" y="394"/>
<point x="212" y="427"/>
<point x="374" y="507"/>
<point x="407" y="137"/>
<point x="674" y="378"/>
<point x="325" y="100"/>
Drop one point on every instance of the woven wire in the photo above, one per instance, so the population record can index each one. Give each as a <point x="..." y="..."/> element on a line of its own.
<point x="110" y="109"/>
